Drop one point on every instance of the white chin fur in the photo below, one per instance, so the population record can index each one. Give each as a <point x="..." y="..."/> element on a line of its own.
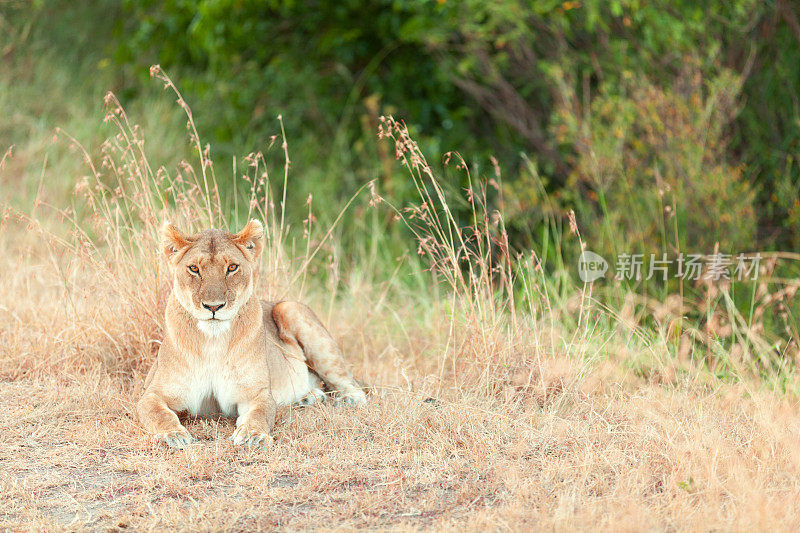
<point x="213" y="328"/>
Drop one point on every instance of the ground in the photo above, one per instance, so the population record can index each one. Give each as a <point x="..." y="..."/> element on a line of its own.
<point x="626" y="455"/>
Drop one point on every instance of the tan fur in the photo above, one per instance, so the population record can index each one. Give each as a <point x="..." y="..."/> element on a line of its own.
<point x="226" y="351"/>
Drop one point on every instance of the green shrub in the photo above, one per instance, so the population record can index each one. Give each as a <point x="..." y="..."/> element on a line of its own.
<point x="651" y="171"/>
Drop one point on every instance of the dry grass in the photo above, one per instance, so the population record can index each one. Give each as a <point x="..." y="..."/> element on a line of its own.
<point x="486" y="410"/>
<point x="578" y="446"/>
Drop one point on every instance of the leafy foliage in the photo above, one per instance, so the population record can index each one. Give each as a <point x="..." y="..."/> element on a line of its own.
<point x="492" y="78"/>
<point x="651" y="166"/>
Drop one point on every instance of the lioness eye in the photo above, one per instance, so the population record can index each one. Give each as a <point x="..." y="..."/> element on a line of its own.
<point x="194" y="269"/>
<point x="232" y="268"/>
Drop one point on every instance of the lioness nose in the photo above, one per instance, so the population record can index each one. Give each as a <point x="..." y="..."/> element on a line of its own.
<point x="214" y="306"/>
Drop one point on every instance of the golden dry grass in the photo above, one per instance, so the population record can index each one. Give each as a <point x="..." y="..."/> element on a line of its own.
<point x="485" y="412"/>
<point x="564" y="443"/>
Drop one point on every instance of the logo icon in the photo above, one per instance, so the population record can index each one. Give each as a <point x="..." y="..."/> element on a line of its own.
<point x="591" y="266"/>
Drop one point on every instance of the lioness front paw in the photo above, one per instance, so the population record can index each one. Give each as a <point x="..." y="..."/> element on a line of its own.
<point x="353" y="398"/>
<point x="247" y="435"/>
<point x="178" y="438"/>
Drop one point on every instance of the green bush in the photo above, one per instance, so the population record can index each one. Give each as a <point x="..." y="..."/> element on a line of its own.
<point x="478" y="77"/>
<point x="651" y="172"/>
<point x="484" y="78"/>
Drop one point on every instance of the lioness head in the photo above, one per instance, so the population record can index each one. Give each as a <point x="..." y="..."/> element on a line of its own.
<point x="213" y="271"/>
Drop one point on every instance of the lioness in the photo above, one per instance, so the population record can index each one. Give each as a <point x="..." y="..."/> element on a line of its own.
<point x="225" y="351"/>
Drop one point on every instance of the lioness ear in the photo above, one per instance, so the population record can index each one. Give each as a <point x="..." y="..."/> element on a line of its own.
<point x="172" y="240"/>
<point x="251" y="237"/>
